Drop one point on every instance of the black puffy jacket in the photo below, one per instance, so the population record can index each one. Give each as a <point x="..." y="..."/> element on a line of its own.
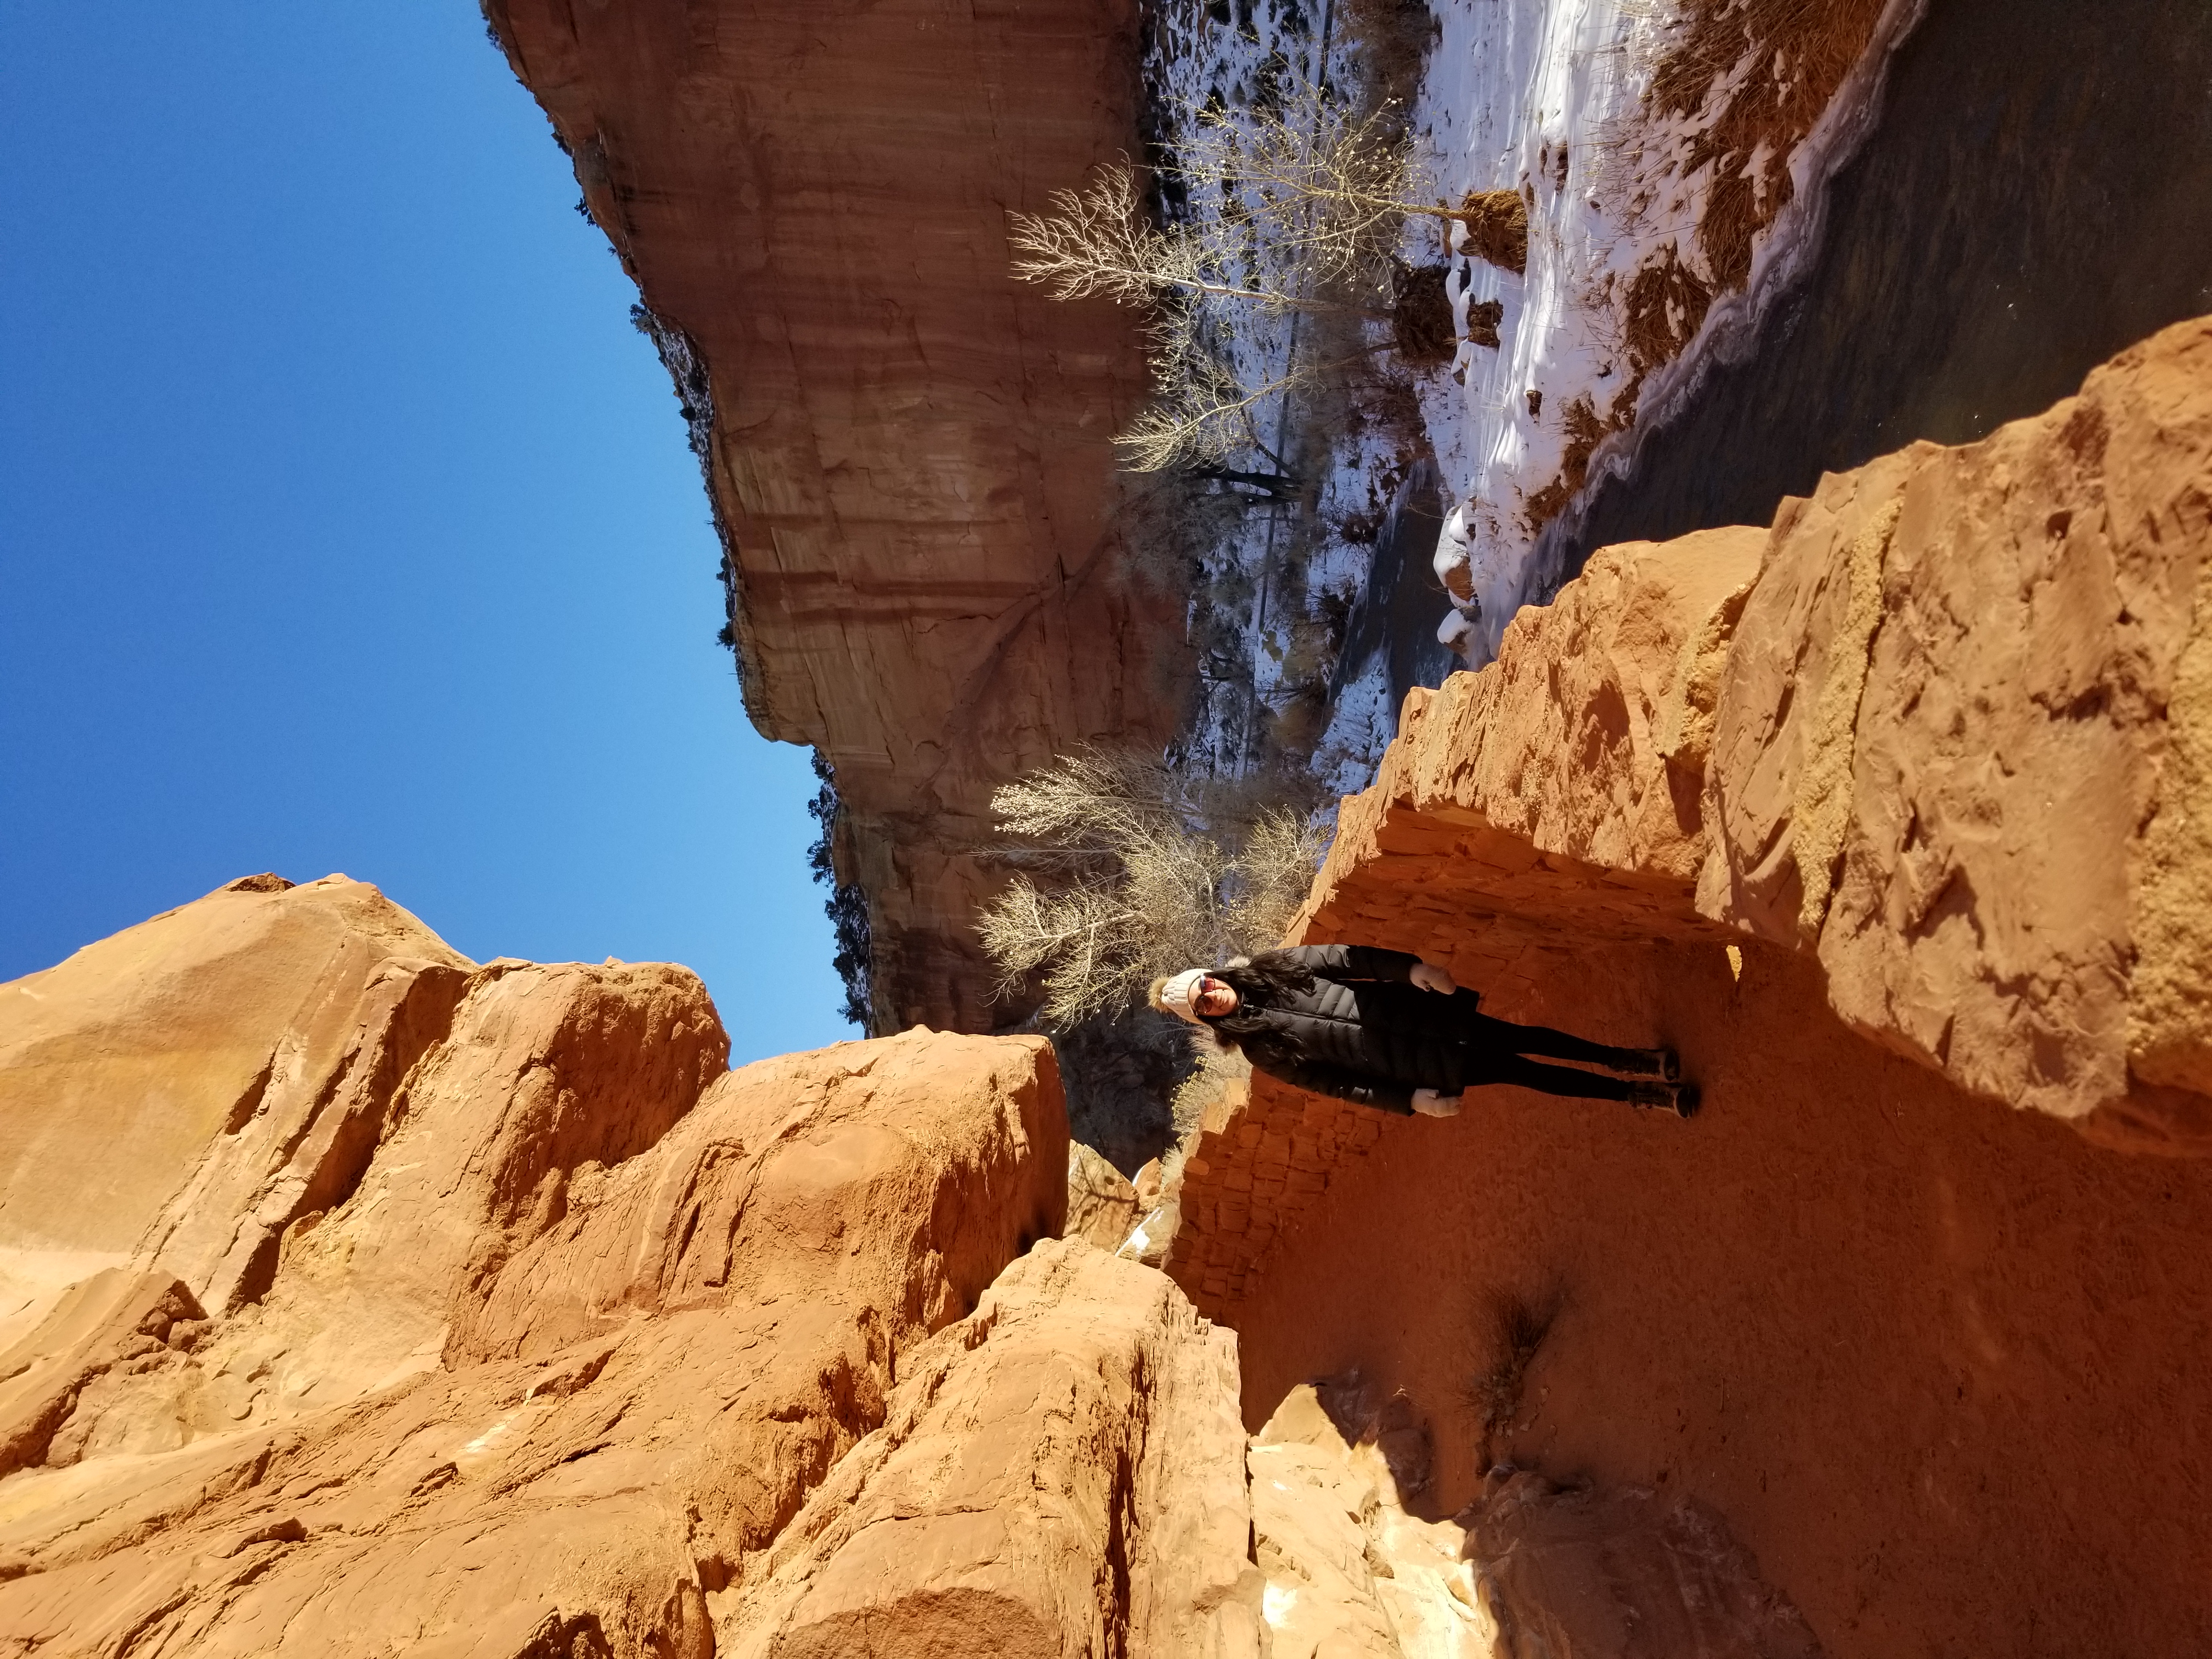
<point x="1364" y="1033"/>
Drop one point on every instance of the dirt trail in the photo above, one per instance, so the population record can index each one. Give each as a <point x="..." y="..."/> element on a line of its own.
<point x="1945" y="1367"/>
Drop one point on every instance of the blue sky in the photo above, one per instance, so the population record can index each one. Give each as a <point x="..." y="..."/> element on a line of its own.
<point x="347" y="523"/>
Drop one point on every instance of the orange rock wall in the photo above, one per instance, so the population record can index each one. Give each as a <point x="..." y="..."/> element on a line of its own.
<point x="910" y="450"/>
<point x="229" y="1059"/>
<point x="1941" y="727"/>
<point x="596" y="1348"/>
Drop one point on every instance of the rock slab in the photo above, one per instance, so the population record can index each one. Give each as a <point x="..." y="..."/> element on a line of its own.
<point x="597" y="1347"/>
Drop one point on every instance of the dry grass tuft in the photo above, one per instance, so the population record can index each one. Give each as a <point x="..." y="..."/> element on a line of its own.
<point x="1798" y="52"/>
<point x="1497" y="224"/>
<point x="1585" y="431"/>
<point x="1666" y="305"/>
<point x="1483" y="319"/>
<point x="1751" y="78"/>
<point x="1390" y="41"/>
<point x="1217" y="1068"/>
<point x="1509" y="1330"/>
<point x="1421" y="316"/>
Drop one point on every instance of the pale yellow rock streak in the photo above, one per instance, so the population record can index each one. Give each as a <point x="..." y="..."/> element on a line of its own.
<point x="2170" y="1004"/>
<point x="1822" y="808"/>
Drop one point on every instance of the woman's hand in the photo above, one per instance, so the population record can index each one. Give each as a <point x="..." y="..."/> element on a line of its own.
<point x="1428" y="1103"/>
<point x="1433" y="979"/>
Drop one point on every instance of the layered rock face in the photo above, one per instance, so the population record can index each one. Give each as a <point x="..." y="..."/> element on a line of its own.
<point x="1941" y="728"/>
<point x="1882" y="817"/>
<point x="569" y="1339"/>
<point x="908" y="451"/>
<point x="204" y="1080"/>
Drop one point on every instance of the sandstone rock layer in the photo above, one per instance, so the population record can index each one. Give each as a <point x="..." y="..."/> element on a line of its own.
<point x="1881" y="817"/>
<point x="578" y="1343"/>
<point x="908" y="450"/>
<point x="1939" y="727"/>
<point x="1350" y="1574"/>
<point x="204" y="1078"/>
<point x="1104" y="1511"/>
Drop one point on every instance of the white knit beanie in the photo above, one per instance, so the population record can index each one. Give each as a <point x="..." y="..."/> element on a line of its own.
<point x="1176" y="994"/>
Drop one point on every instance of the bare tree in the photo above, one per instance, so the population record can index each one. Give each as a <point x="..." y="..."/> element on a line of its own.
<point x="1329" y="189"/>
<point x="1142" y="873"/>
<point x="1307" y="201"/>
<point x="1100" y="243"/>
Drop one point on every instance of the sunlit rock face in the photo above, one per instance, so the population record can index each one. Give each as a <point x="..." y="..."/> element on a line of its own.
<point x="908" y="450"/>
<point x="1945" y="728"/>
<point x="1890" y="817"/>
<point x="563" y="1324"/>
<point x="180" y="1093"/>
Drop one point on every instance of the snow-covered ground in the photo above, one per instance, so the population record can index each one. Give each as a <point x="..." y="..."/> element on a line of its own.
<point x="1547" y="98"/>
<point x="1275" y="589"/>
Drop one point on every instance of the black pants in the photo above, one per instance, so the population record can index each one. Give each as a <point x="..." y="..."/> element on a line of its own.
<point x="1497" y="1051"/>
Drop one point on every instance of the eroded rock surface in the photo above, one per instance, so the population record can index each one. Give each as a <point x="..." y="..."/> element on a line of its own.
<point x="1350" y="1574"/>
<point x="592" y="1323"/>
<point x="204" y="1078"/>
<point x="1104" y="1510"/>
<point x="1102" y="1201"/>
<point x="1955" y="751"/>
<point x="1941" y="727"/>
<point x="908" y="450"/>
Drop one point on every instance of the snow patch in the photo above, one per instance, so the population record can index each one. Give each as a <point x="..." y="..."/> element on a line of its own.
<point x="1547" y="98"/>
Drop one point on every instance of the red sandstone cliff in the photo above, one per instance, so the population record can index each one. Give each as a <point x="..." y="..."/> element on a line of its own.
<point x="1892" y="819"/>
<point x="571" y="1341"/>
<point x="910" y="452"/>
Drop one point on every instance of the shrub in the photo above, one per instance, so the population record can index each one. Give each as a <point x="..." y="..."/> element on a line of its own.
<point x="848" y="905"/>
<point x="1142" y="873"/>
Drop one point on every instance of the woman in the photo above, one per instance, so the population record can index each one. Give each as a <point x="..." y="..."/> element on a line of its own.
<point x="1384" y="1029"/>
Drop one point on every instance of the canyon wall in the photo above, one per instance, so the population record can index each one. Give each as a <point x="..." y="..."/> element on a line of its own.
<point x="908" y="451"/>
<point x="558" y="1337"/>
<point x="1943" y="729"/>
<point x="1889" y="818"/>
<point x="360" y="1296"/>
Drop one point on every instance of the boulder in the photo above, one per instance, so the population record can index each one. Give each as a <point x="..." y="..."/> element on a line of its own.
<point x="1058" y="1474"/>
<point x="544" y="1074"/>
<point x="894" y="1177"/>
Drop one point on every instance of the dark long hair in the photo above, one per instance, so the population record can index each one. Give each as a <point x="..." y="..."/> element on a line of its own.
<point x="1261" y="982"/>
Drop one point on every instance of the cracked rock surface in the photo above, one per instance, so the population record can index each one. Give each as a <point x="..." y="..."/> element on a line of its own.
<point x="580" y="1343"/>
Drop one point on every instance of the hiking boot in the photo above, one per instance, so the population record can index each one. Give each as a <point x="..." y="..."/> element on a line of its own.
<point x="1662" y="1063"/>
<point x="1680" y="1098"/>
